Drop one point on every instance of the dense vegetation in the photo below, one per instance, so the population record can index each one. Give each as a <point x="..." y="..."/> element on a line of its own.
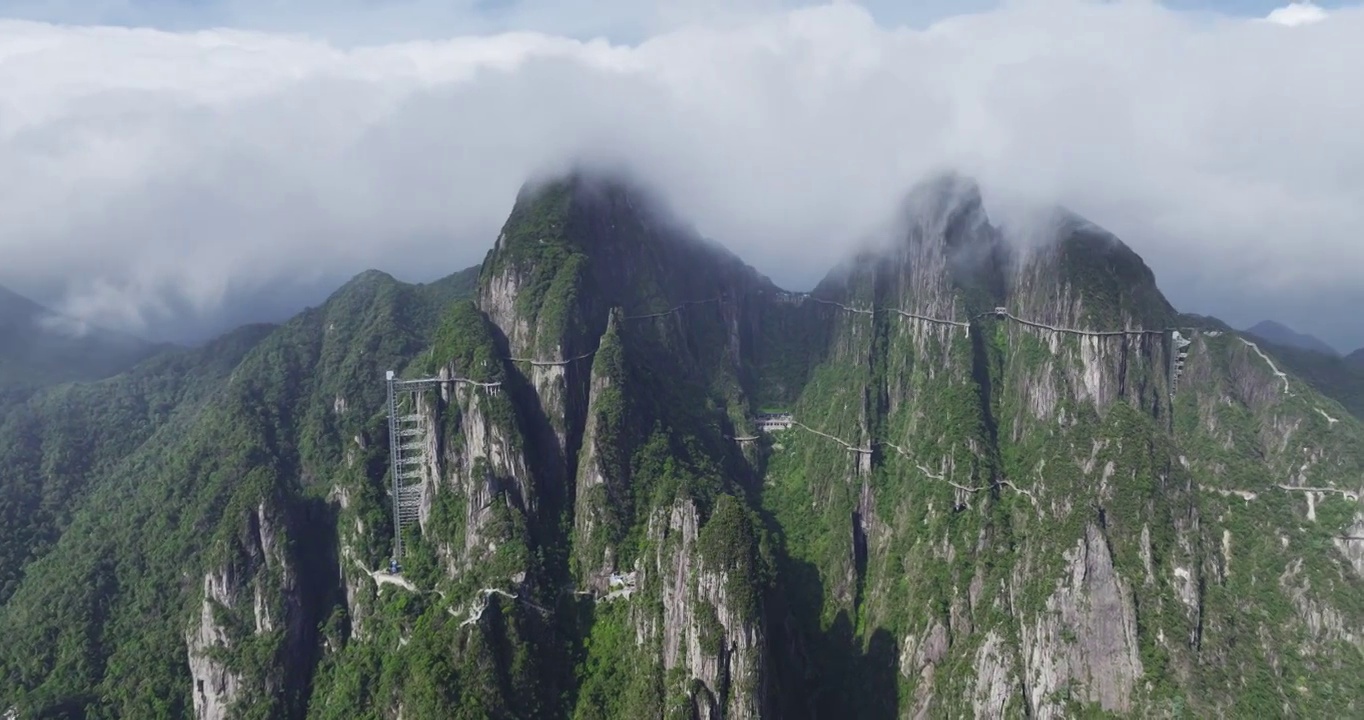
<point x="53" y="445"/>
<point x="991" y="520"/>
<point x="122" y="488"/>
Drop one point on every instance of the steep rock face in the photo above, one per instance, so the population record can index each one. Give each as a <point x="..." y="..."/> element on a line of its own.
<point x="603" y="502"/>
<point x="710" y="628"/>
<point x="1088" y="281"/>
<point x="1032" y="509"/>
<point x="488" y="464"/>
<point x="974" y="512"/>
<point x="644" y="335"/>
<point x="1088" y="639"/>
<point x="1281" y="485"/>
<point x="215" y="687"/>
<point x="251" y="598"/>
<point x="574" y="248"/>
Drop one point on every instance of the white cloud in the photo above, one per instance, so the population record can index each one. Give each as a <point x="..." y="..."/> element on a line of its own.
<point x="1298" y="13"/>
<point x="157" y="173"/>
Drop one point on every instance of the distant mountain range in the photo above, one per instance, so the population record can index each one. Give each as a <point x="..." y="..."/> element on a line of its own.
<point x="1338" y="376"/>
<point x="1280" y="334"/>
<point x="41" y="347"/>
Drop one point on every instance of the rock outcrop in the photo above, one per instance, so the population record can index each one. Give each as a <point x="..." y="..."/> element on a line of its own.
<point x="253" y="595"/>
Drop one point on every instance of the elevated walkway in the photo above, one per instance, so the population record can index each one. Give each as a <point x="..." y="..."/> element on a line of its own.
<point x="774" y="422"/>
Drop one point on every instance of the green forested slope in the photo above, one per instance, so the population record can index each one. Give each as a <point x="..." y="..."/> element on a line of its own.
<point x="54" y="444"/>
<point x="95" y="624"/>
<point x="974" y="513"/>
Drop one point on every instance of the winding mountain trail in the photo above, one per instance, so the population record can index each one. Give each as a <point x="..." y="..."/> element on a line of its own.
<point x="384" y="577"/>
<point x="476" y="613"/>
<point x="849" y="446"/>
<point x="1274" y="368"/>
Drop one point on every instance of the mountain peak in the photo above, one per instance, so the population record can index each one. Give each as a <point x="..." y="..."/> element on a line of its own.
<point x="619" y="223"/>
<point x="943" y="201"/>
<point x="590" y="190"/>
<point x="369" y="277"/>
<point x="946" y="189"/>
<point x="15" y="308"/>
<point x="1281" y="334"/>
<point x="39" y="346"/>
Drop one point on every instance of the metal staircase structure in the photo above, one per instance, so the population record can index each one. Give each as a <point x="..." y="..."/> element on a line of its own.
<point x="408" y="443"/>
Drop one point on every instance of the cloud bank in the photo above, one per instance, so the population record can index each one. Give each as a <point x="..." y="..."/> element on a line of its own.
<point x="154" y="181"/>
<point x="1297" y="14"/>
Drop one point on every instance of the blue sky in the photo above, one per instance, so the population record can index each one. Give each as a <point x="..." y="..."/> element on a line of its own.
<point x="377" y="21"/>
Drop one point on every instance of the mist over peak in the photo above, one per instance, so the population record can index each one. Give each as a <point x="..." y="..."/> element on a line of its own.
<point x="39" y="346"/>
<point x="941" y="195"/>
<point x="161" y="181"/>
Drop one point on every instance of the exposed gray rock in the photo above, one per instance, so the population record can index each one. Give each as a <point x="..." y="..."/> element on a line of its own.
<point x="215" y="687"/>
<point x="702" y="631"/>
<point x="1086" y="640"/>
<point x="260" y="554"/>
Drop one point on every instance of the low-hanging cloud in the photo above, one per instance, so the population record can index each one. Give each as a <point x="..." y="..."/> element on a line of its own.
<point x="151" y="177"/>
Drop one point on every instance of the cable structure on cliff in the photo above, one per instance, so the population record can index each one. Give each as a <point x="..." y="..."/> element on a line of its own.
<point x="552" y="363"/>
<point x="1347" y="494"/>
<point x="476" y="609"/>
<point x="848" y="308"/>
<point x="1004" y="313"/>
<point x="849" y="446"/>
<point x="926" y="318"/>
<point x="670" y="311"/>
<point x="483" y="595"/>
<point x="943" y="478"/>
<point x="423" y="383"/>
<point x="999" y="312"/>
<point x="902" y="313"/>
<point x="929" y="473"/>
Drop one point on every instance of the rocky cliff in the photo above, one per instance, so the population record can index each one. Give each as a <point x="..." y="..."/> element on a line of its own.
<point x="990" y="502"/>
<point x="995" y="479"/>
<point x="1020" y="508"/>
